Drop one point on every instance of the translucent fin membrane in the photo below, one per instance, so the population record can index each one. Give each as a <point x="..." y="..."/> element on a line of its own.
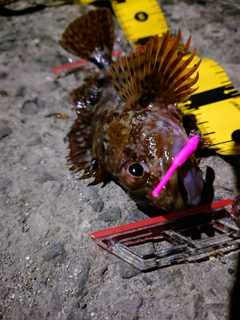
<point x="158" y="72"/>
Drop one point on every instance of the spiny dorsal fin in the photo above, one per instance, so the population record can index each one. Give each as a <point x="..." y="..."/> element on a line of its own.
<point x="90" y="36"/>
<point x="157" y="72"/>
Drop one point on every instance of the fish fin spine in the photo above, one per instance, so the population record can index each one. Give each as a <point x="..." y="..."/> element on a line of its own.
<point x="158" y="72"/>
<point x="91" y="37"/>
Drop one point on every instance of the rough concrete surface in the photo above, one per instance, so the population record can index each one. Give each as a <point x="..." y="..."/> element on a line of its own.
<point x="50" y="268"/>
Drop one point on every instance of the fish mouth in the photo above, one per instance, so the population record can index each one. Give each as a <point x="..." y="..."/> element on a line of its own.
<point x="190" y="183"/>
<point x="186" y="184"/>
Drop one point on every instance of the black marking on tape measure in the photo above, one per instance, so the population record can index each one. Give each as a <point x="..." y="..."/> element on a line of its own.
<point x="141" y="16"/>
<point x="143" y="41"/>
<point x="207" y="134"/>
<point x="203" y="122"/>
<point x="211" y="96"/>
<point x="236" y="136"/>
<point x="222" y="142"/>
<point x="226" y="81"/>
<point x="104" y="4"/>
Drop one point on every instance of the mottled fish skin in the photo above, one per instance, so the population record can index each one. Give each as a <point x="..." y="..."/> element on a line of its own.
<point x="131" y="134"/>
<point x="122" y="136"/>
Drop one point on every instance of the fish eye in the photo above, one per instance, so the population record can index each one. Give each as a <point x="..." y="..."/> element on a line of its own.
<point x="134" y="174"/>
<point x="136" y="169"/>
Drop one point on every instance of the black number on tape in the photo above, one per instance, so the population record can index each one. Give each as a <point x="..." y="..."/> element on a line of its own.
<point x="141" y="16"/>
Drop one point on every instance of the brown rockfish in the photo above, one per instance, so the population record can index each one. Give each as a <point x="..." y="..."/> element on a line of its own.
<point x="128" y="127"/>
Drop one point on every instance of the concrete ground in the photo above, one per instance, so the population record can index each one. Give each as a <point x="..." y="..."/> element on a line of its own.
<point x="49" y="267"/>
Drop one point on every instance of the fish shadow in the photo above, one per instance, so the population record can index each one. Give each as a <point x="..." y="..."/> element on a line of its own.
<point x="234" y="161"/>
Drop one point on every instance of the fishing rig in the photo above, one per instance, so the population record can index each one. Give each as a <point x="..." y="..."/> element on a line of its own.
<point x="198" y="234"/>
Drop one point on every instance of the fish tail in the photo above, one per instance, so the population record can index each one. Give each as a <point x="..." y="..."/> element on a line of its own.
<point x="91" y="37"/>
<point x="159" y="72"/>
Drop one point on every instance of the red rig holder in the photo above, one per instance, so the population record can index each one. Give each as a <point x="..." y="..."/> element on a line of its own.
<point x="201" y="233"/>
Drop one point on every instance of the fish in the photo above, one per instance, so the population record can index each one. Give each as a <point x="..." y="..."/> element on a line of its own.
<point x="129" y="125"/>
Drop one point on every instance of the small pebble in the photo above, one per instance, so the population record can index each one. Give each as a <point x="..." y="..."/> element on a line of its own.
<point x="4" y="182"/>
<point x="111" y="214"/>
<point x="3" y="75"/>
<point x="192" y="287"/>
<point x="20" y="92"/>
<point x="83" y="277"/>
<point x="54" y="250"/>
<point x="32" y="107"/>
<point x="98" y="205"/>
<point x="3" y="93"/>
<point x="5" y="130"/>
<point x="148" y="281"/>
<point x="230" y="271"/>
<point x="40" y="103"/>
<point x="126" y="270"/>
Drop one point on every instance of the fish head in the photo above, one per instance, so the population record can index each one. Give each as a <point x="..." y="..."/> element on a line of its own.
<point x="154" y="141"/>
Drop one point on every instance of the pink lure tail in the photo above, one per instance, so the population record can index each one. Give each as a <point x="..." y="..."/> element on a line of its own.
<point x="178" y="160"/>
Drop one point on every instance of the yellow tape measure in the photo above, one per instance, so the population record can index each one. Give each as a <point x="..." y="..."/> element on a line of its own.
<point x="216" y="105"/>
<point x="139" y="18"/>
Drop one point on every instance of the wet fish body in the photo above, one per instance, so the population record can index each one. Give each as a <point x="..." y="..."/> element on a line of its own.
<point x="129" y="126"/>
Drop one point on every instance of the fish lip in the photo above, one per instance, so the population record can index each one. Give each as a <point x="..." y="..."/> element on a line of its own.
<point x="190" y="181"/>
<point x="185" y="185"/>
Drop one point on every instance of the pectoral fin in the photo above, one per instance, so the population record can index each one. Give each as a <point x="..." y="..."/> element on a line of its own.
<point x="80" y="135"/>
